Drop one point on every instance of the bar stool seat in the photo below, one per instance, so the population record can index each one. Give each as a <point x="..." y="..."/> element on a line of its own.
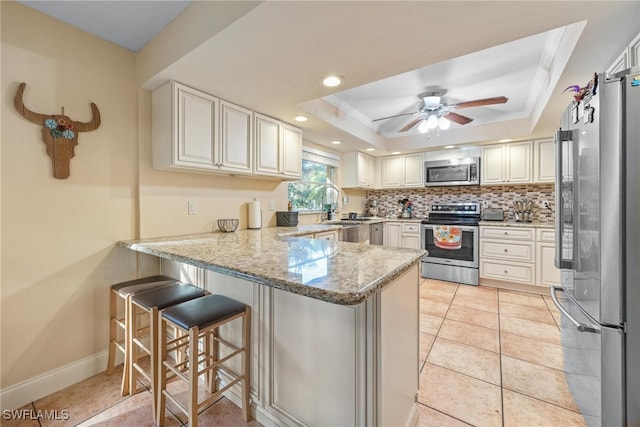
<point x="200" y="319"/>
<point x="122" y="292"/>
<point x="151" y="302"/>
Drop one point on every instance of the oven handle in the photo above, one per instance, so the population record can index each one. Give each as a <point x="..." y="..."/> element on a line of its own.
<point x="462" y="227"/>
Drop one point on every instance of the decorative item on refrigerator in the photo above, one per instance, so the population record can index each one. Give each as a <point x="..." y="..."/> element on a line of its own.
<point x="255" y="215"/>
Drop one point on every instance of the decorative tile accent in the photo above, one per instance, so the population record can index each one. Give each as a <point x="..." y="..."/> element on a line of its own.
<point x="495" y="196"/>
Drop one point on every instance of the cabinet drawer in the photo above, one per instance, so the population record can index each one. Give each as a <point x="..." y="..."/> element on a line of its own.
<point x="511" y="233"/>
<point x="546" y="235"/>
<point x="512" y="272"/>
<point x="408" y="227"/>
<point x="513" y="251"/>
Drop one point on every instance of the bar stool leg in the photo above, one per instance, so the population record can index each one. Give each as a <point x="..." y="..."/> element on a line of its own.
<point x="246" y="359"/>
<point x="194" y="334"/>
<point x="162" y="373"/>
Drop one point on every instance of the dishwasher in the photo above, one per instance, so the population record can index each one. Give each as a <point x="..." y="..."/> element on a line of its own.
<point x="356" y="233"/>
<point x="376" y="233"/>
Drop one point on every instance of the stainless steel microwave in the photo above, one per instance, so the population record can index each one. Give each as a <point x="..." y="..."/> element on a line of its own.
<point x="464" y="171"/>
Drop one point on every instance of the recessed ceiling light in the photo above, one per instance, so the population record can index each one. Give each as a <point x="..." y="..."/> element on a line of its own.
<point x="505" y="140"/>
<point x="336" y="142"/>
<point x="332" y="81"/>
<point x="449" y="146"/>
<point x="301" y="118"/>
<point x="371" y="149"/>
<point x="395" y="152"/>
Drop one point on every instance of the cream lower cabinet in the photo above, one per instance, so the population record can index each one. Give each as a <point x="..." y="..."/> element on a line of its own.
<point x="327" y="235"/>
<point x="402" y="235"/>
<point x="546" y="272"/>
<point x="517" y="255"/>
<point x="314" y="363"/>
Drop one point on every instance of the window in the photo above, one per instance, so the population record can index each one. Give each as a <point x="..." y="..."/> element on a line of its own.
<point x="316" y="191"/>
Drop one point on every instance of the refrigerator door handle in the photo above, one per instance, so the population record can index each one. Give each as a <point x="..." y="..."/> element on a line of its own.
<point x="560" y="262"/>
<point x="582" y="327"/>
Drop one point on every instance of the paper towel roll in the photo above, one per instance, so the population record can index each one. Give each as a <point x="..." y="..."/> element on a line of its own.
<point x="255" y="215"/>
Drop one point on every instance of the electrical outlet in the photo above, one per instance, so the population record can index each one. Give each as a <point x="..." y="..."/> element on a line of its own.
<point x="192" y="207"/>
<point x="272" y="205"/>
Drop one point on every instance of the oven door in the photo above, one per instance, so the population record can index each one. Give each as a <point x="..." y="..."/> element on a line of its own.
<point x="450" y="245"/>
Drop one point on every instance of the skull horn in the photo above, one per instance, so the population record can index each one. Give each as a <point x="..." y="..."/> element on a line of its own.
<point x="91" y="125"/>
<point x="28" y="114"/>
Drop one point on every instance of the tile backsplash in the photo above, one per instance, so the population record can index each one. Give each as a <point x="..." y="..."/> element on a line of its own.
<point x="495" y="196"/>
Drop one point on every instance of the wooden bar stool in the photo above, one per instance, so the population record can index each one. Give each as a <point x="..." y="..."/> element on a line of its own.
<point x="120" y="302"/>
<point x="200" y="319"/>
<point x="143" y="341"/>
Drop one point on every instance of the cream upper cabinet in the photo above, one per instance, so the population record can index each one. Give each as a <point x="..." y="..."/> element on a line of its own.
<point x="413" y="170"/>
<point x="291" y="151"/>
<point x="634" y="52"/>
<point x="357" y="170"/>
<point x="402" y="171"/>
<point x="236" y="137"/>
<point x="184" y="129"/>
<point x="507" y="163"/>
<point x="544" y="161"/>
<point x="392" y="171"/>
<point x="492" y="164"/>
<point x="278" y="148"/>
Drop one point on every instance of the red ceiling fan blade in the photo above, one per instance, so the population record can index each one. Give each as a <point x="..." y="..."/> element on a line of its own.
<point x="480" y="102"/>
<point x="411" y="124"/>
<point x="397" y="115"/>
<point x="457" y="118"/>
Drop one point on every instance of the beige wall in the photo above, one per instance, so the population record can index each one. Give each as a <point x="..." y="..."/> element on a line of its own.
<point x="58" y="253"/>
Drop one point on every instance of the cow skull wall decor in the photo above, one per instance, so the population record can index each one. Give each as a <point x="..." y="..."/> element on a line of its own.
<point x="59" y="133"/>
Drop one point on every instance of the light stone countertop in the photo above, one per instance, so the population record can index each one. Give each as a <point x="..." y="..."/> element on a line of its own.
<point x="336" y="272"/>
<point x="512" y="223"/>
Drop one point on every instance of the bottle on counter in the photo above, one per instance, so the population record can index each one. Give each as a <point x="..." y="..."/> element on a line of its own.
<point x="289" y="206"/>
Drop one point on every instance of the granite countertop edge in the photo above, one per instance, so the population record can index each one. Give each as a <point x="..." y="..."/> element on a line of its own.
<point x="512" y="223"/>
<point x="254" y="275"/>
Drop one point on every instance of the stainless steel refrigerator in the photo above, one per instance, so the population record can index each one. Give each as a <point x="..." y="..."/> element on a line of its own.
<point x="598" y="248"/>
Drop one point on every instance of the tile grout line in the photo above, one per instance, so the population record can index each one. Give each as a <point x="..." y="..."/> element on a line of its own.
<point x="500" y="360"/>
<point x="445" y="414"/>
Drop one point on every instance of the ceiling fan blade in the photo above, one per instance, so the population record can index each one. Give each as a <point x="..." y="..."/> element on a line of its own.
<point x="458" y="118"/>
<point x="480" y="102"/>
<point x="411" y="124"/>
<point x="397" y="115"/>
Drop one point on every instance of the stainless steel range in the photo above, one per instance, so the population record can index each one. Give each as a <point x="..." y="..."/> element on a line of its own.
<point x="450" y="235"/>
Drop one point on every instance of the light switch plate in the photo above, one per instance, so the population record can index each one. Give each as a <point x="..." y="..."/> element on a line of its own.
<point x="272" y="205"/>
<point x="192" y="207"/>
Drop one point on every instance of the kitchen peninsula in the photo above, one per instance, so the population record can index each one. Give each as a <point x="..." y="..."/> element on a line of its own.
<point x="334" y="325"/>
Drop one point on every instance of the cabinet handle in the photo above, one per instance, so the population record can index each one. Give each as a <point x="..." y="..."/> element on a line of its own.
<point x="506" y="272"/>
<point x="506" y="233"/>
<point x="506" y="250"/>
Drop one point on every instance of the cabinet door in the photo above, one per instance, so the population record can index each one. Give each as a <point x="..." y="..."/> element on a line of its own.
<point x="267" y="146"/>
<point x="392" y="171"/>
<point x="196" y="130"/>
<point x="544" y="161"/>
<point x="621" y="63"/>
<point x="518" y="157"/>
<point x="634" y="52"/>
<point x="411" y="241"/>
<point x="413" y="170"/>
<point x="547" y="273"/>
<point x="492" y="164"/>
<point x="291" y="151"/>
<point x="236" y="132"/>
<point x="366" y="170"/>
<point x="326" y="235"/>
<point x="392" y="234"/>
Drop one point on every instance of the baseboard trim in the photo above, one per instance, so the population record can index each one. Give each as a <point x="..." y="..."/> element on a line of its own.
<point x="20" y="394"/>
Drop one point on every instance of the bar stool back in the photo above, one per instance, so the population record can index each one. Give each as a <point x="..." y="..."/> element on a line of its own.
<point x="120" y="302"/>
<point x="200" y="319"/>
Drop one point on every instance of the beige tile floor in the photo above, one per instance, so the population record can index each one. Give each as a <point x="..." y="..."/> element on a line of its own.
<point x="488" y="357"/>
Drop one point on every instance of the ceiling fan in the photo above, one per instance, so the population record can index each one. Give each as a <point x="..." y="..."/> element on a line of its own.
<point x="435" y="108"/>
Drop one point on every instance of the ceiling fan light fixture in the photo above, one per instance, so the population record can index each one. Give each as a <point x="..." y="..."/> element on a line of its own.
<point x="431" y="102"/>
<point x="423" y="128"/>
<point x="432" y="122"/>
<point x="443" y="123"/>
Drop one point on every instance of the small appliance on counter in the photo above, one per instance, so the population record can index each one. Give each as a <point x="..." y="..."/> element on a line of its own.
<point x="286" y="218"/>
<point x="492" y="214"/>
<point x="373" y="208"/>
